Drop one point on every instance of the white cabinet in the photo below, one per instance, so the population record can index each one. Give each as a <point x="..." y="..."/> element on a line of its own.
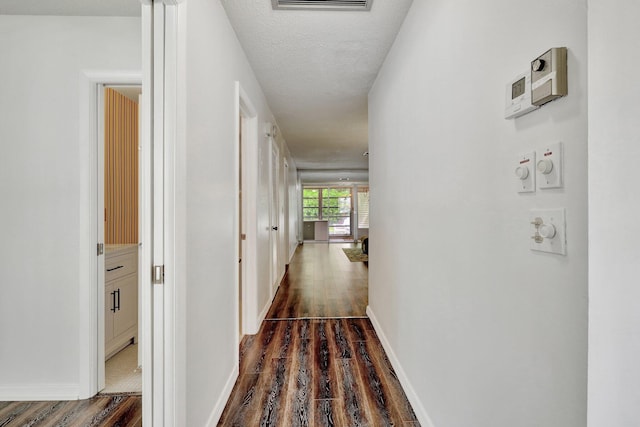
<point x="121" y="297"/>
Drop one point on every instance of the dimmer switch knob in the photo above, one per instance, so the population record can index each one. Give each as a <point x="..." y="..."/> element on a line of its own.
<point x="545" y="166"/>
<point x="537" y="65"/>
<point x="522" y="172"/>
<point x="548" y="231"/>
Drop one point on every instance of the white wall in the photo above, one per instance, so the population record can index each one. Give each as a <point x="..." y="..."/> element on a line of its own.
<point x="214" y="62"/>
<point x="614" y="209"/>
<point x="489" y="333"/>
<point x="40" y="188"/>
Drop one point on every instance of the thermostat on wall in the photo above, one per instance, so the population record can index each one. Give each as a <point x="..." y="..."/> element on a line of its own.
<point x="518" y="97"/>
<point x="549" y="76"/>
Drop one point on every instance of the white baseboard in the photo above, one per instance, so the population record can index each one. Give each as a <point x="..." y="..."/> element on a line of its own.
<point x="254" y="328"/>
<point x="38" y="392"/>
<point x="418" y="408"/>
<point x="224" y="397"/>
<point x="264" y="312"/>
<point x="293" y="252"/>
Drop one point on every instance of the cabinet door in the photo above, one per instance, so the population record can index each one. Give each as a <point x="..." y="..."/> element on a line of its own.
<point x="127" y="316"/>
<point x="108" y="313"/>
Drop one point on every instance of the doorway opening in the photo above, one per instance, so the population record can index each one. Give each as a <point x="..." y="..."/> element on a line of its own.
<point x="121" y="359"/>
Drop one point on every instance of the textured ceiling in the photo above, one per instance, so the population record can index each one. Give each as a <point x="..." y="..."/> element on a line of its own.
<point x="316" y="69"/>
<point x="71" y="7"/>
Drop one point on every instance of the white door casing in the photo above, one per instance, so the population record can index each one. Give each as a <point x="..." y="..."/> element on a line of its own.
<point x="91" y="295"/>
<point x="100" y="236"/>
<point x="146" y="209"/>
<point x="143" y="218"/>
<point x="250" y="311"/>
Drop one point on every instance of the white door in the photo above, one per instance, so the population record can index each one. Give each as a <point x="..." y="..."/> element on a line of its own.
<point x="241" y="227"/>
<point x="285" y="249"/>
<point x="275" y="234"/>
<point x="155" y="66"/>
<point x="100" y="273"/>
<point x="162" y="70"/>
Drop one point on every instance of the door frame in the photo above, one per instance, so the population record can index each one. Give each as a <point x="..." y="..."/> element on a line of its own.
<point x="163" y="126"/>
<point x="143" y="221"/>
<point x="91" y="266"/>
<point x="245" y="107"/>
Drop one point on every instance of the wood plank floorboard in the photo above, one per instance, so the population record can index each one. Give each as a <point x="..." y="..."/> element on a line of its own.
<point x="316" y="372"/>
<point x="102" y="411"/>
<point x="321" y="282"/>
<point x="317" y="360"/>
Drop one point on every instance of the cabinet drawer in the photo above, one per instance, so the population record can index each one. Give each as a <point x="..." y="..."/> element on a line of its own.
<point x="120" y="265"/>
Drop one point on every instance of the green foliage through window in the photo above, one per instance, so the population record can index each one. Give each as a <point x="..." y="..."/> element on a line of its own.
<point x="329" y="204"/>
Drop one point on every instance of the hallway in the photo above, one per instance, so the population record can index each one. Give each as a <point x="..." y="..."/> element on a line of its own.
<point x="316" y="360"/>
<point x="322" y="282"/>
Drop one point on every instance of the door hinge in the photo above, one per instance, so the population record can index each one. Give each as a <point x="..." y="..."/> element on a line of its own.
<point x="100" y="249"/>
<point x="158" y="274"/>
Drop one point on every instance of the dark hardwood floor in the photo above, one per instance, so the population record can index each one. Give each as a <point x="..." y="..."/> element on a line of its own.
<point x="321" y="282"/>
<point x="316" y="361"/>
<point x="102" y="411"/>
<point x="314" y="371"/>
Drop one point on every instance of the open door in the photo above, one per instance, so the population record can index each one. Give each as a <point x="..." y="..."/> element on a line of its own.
<point x="274" y="171"/>
<point x="242" y="236"/>
<point x="162" y="42"/>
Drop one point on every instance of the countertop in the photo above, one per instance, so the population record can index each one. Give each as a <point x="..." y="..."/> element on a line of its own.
<point x="112" y="249"/>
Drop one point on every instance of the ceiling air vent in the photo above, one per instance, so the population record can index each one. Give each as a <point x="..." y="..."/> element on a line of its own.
<point x="321" y="4"/>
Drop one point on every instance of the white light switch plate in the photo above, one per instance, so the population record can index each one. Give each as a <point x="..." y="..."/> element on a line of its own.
<point x="542" y="221"/>
<point x="552" y="155"/>
<point x="526" y="164"/>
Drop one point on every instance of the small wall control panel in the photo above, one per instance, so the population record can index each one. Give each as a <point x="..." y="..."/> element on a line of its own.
<point x="518" y="97"/>
<point x="541" y="170"/>
<point x="548" y="231"/>
<point x="544" y="81"/>
<point x="549" y="76"/>
<point x="525" y="173"/>
<point x="543" y="167"/>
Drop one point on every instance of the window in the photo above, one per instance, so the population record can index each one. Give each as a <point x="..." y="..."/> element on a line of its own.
<point x="311" y="204"/>
<point x="363" y="207"/>
<point x="329" y="204"/>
